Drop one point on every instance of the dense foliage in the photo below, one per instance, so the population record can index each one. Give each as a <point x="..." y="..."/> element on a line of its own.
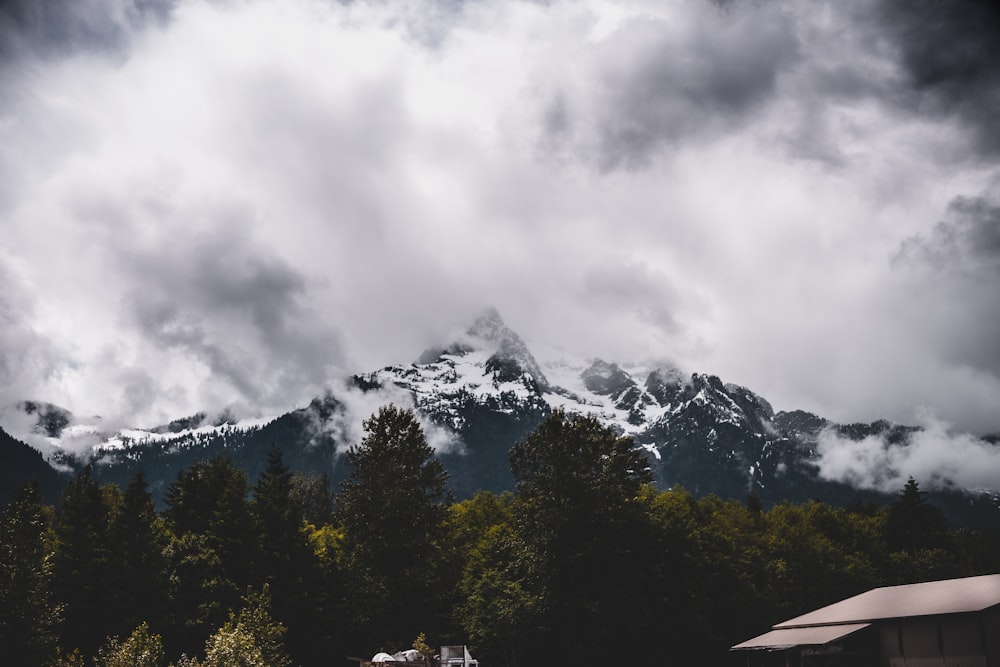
<point x="585" y="558"/>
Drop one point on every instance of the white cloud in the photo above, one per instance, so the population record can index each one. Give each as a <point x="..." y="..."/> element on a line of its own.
<point x="241" y="201"/>
<point x="346" y="427"/>
<point x="936" y="456"/>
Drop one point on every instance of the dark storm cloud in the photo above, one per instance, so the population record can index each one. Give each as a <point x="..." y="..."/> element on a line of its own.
<point x="966" y="242"/>
<point x="239" y="309"/>
<point x="950" y="52"/>
<point x="956" y="272"/>
<point x="64" y="27"/>
<point x="193" y="203"/>
<point x="733" y="68"/>
<point x="662" y="85"/>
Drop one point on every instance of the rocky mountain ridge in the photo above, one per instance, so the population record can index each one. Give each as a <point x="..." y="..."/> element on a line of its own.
<point x="485" y="390"/>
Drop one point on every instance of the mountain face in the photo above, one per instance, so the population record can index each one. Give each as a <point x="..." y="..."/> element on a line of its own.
<point x="21" y="465"/>
<point x="482" y="392"/>
<point x="51" y="419"/>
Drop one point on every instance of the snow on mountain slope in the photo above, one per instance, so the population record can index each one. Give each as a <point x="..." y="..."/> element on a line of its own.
<point x="456" y="377"/>
<point x="60" y="435"/>
<point x="614" y="394"/>
<point x="476" y="396"/>
<point x="486" y="370"/>
<point x="129" y="437"/>
<point x="490" y="365"/>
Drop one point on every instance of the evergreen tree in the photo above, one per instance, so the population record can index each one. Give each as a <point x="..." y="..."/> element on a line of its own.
<point x="138" y="538"/>
<point x="918" y="539"/>
<point x="83" y="564"/>
<point x="210" y="499"/>
<point x="29" y="614"/>
<point x="590" y="540"/>
<point x="288" y="564"/>
<point x="278" y="518"/>
<point x="913" y="523"/>
<point x="572" y="466"/>
<point x="312" y="491"/>
<point x="212" y="554"/>
<point x="200" y="593"/>
<point x="392" y="509"/>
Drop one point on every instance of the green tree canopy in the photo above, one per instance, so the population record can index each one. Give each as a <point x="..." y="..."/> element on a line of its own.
<point x="210" y="499"/>
<point x="29" y="614"/>
<point x="287" y="563"/>
<point x="83" y="563"/>
<point x="142" y="649"/>
<point x="590" y="544"/>
<point x="572" y="466"/>
<point x="212" y="555"/>
<point x="312" y="491"/>
<point x="137" y="539"/>
<point x="392" y="509"/>
<point x="913" y="523"/>
<point x="251" y="638"/>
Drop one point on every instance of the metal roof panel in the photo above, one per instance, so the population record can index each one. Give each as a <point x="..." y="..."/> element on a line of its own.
<point x="815" y="636"/>
<point x="951" y="596"/>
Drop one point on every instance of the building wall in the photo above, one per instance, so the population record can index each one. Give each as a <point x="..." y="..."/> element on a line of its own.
<point x="991" y="634"/>
<point x="951" y="640"/>
<point x="957" y="640"/>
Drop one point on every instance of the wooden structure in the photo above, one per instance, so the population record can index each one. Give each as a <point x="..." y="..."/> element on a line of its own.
<point x="950" y="623"/>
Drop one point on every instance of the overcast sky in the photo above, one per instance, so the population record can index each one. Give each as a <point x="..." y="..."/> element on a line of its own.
<point x="233" y="203"/>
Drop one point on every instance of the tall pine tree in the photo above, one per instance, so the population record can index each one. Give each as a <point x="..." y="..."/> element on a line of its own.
<point x="392" y="509"/>
<point x="588" y="535"/>
<point x="137" y="538"/>
<point x="913" y="523"/>
<point x="83" y="564"/>
<point x="212" y="553"/>
<point x="286" y="561"/>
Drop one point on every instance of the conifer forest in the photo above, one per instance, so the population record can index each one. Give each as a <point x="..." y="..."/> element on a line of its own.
<point x="585" y="558"/>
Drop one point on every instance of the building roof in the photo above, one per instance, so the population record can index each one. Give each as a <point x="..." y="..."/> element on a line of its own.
<point x="814" y="636"/>
<point x="951" y="596"/>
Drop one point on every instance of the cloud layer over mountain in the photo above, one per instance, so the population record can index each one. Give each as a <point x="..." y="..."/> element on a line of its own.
<point x="211" y="203"/>
<point x="935" y="455"/>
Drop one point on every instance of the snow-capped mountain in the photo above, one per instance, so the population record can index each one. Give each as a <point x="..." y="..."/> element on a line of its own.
<point x="489" y="366"/>
<point x="711" y="436"/>
<point x="478" y="394"/>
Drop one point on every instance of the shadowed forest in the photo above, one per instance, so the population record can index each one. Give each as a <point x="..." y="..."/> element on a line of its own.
<point x="585" y="558"/>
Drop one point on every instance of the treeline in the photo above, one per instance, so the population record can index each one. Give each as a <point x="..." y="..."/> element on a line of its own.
<point x="584" y="561"/>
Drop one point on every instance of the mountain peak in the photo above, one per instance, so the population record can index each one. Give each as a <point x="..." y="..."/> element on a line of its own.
<point x="508" y="347"/>
<point x="485" y="332"/>
<point x="606" y="379"/>
<point x="489" y="333"/>
<point x="489" y="326"/>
